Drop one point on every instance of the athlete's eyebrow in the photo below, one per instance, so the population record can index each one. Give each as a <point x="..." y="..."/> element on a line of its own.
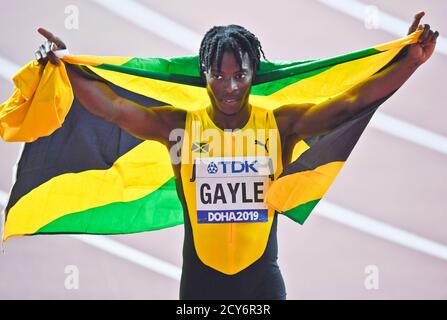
<point x="240" y="70"/>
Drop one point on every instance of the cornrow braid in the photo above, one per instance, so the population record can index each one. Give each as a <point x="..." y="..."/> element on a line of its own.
<point x="232" y="37"/>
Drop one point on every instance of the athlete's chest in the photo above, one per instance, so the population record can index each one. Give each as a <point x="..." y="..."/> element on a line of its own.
<point x="225" y="177"/>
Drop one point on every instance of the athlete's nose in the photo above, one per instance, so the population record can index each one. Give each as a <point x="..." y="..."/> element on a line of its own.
<point x="231" y="85"/>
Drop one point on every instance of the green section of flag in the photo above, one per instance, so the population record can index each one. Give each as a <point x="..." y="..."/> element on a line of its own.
<point x="157" y="210"/>
<point x="271" y="77"/>
<point x="301" y="213"/>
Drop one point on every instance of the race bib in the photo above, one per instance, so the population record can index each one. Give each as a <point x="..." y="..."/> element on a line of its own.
<point x="232" y="189"/>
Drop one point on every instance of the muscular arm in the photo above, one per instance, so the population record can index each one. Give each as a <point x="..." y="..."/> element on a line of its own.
<point x="97" y="97"/>
<point x="314" y="119"/>
<point x="145" y="123"/>
<point x="307" y="120"/>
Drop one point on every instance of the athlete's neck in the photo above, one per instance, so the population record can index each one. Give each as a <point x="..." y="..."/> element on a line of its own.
<point x="234" y="121"/>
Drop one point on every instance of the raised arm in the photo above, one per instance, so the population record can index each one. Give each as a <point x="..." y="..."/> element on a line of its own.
<point x="144" y="123"/>
<point x="98" y="98"/>
<point x="314" y="119"/>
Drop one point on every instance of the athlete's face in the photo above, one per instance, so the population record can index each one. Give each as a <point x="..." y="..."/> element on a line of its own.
<point x="229" y="87"/>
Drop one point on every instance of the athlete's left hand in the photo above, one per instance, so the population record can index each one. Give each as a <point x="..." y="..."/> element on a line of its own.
<point x="421" y="51"/>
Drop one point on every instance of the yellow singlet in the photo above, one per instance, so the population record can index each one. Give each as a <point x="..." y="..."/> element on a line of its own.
<point x="224" y="176"/>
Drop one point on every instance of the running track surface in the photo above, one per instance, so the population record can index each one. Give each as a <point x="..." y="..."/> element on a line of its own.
<point x="388" y="179"/>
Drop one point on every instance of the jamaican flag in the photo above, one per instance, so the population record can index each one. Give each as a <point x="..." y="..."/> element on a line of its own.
<point x="78" y="173"/>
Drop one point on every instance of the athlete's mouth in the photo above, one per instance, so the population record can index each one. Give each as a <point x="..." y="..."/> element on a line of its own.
<point x="230" y="100"/>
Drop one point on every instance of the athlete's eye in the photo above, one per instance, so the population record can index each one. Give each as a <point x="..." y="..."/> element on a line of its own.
<point x="217" y="76"/>
<point x="241" y="76"/>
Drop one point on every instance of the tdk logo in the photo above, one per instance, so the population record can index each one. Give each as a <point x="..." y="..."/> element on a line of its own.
<point x="212" y="168"/>
<point x="238" y="166"/>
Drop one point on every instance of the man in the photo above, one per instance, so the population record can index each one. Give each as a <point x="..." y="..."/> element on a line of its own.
<point x="230" y="246"/>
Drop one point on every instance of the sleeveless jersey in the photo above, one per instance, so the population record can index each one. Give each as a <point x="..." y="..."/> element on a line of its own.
<point x="225" y="175"/>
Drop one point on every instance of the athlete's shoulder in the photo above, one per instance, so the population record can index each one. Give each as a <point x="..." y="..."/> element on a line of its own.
<point x="287" y="115"/>
<point x="196" y="114"/>
<point x="264" y="114"/>
<point x="259" y="109"/>
<point x="172" y="116"/>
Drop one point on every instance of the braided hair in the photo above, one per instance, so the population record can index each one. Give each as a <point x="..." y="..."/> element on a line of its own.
<point x="234" y="38"/>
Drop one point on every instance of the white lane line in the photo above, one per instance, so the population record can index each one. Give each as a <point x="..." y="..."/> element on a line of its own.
<point x="154" y="22"/>
<point x="409" y="132"/>
<point x="133" y="255"/>
<point x="3" y="202"/>
<point x="3" y="198"/>
<point x="380" y="229"/>
<point x="386" y="22"/>
<point x="324" y="208"/>
<point x="116" y="248"/>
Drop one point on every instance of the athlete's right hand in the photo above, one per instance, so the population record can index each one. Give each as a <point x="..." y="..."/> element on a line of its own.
<point x="45" y="51"/>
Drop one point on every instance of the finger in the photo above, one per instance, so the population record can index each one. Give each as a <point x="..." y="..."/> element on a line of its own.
<point x="416" y="21"/>
<point x="434" y="36"/>
<point x="47" y="34"/>
<point x="43" y="61"/>
<point x="421" y="27"/>
<point x="424" y="35"/>
<point x="52" y="38"/>
<point x="54" y="60"/>
<point x="430" y="36"/>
